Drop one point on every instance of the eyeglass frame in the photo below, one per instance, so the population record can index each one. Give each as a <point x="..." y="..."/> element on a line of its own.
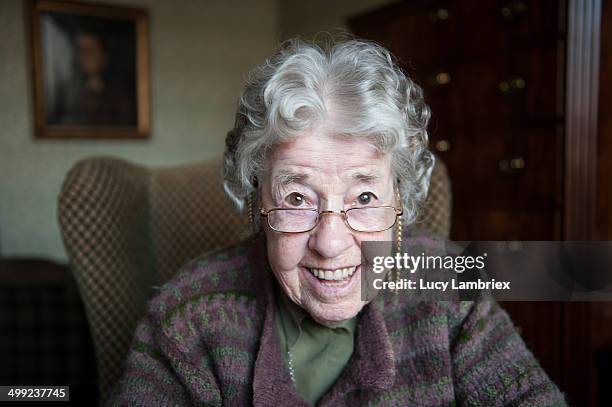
<point x="398" y="213"/>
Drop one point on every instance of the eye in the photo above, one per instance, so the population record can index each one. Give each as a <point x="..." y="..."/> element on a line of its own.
<point x="295" y="199"/>
<point x="366" y="198"/>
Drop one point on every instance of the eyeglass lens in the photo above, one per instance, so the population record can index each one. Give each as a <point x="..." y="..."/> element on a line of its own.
<point x="360" y="219"/>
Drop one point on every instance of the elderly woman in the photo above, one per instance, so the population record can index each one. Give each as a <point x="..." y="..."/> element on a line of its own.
<point x="329" y="150"/>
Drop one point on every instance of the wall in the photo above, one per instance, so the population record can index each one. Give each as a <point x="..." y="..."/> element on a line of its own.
<point x="200" y="52"/>
<point x="307" y="18"/>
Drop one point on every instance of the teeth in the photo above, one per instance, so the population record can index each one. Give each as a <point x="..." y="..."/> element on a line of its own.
<point x="333" y="275"/>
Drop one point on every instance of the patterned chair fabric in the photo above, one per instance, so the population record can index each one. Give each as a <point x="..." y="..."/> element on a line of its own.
<point x="128" y="228"/>
<point x="436" y="214"/>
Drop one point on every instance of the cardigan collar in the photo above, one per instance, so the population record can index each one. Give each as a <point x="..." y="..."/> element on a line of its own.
<point x="372" y="365"/>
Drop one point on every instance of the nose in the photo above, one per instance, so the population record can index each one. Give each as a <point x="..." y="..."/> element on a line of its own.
<point x="331" y="237"/>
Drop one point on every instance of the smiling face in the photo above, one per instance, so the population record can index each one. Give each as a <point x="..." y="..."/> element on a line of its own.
<point x="320" y="270"/>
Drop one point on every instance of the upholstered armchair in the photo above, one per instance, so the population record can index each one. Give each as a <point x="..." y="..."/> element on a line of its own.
<point x="128" y="228"/>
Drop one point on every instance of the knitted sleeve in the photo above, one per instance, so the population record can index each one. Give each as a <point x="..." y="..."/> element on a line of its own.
<point x="491" y="364"/>
<point x="156" y="372"/>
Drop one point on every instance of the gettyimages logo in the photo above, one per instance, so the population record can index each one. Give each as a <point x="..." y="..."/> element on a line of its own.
<point x="411" y="263"/>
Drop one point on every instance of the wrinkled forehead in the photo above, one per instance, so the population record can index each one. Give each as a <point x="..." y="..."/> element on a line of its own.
<point x="328" y="159"/>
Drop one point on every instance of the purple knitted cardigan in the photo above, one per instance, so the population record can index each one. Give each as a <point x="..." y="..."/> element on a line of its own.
<point x="209" y="338"/>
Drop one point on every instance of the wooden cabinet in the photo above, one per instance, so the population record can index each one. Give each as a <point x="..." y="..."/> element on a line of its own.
<point x="492" y="76"/>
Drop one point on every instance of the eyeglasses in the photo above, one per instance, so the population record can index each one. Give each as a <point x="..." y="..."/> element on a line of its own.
<point x="368" y="219"/>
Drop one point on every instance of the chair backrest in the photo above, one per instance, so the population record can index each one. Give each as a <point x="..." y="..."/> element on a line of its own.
<point x="127" y="229"/>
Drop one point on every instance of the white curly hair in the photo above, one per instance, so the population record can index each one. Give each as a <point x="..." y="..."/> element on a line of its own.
<point x="349" y="87"/>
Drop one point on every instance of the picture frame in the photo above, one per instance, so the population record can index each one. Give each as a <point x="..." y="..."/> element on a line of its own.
<point x="90" y="70"/>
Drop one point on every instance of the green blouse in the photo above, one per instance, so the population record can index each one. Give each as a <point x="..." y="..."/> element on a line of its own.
<point x="317" y="354"/>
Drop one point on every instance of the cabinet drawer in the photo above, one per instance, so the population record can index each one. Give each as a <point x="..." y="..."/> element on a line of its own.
<point x="508" y="91"/>
<point x="428" y="35"/>
<point x="442" y="92"/>
<point x="422" y="32"/>
<point x="495" y="224"/>
<point x="507" y="25"/>
<point x="427" y="32"/>
<point x="505" y="171"/>
<point x="515" y="89"/>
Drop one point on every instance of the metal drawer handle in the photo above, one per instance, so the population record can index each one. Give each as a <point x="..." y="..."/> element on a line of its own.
<point x="442" y="145"/>
<point x="512" y="10"/>
<point x="511" y="85"/>
<point x="439" y="15"/>
<point x="512" y="164"/>
<point x="442" y="78"/>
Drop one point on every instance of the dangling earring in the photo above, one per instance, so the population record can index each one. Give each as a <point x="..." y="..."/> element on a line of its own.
<point x="398" y="248"/>
<point x="250" y="210"/>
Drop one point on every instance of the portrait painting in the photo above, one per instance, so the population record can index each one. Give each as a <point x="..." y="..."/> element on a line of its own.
<point x="90" y="67"/>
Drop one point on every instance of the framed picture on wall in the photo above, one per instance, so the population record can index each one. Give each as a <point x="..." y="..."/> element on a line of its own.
<point x="90" y="66"/>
